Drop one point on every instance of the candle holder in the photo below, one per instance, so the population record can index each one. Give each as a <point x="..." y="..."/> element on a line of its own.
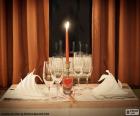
<point x="67" y="81"/>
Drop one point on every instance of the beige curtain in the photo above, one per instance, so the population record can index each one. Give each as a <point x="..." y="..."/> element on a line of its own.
<point x="116" y="39"/>
<point x="24" y="38"/>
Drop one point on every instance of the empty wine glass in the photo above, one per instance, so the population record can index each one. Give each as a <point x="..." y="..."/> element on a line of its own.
<point x="87" y="66"/>
<point x="57" y="70"/>
<point x="78" y="63"/>
<point x="47" y="77"/>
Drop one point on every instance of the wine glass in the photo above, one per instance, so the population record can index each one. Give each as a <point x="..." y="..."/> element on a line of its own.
<point x="47" y="77"/>
<point x="78" y="63"/>
<point x="57" y="70"/>
<point x="87" y="66"/>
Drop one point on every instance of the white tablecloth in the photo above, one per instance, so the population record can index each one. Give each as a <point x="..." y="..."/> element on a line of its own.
<point x="82" y="92"/>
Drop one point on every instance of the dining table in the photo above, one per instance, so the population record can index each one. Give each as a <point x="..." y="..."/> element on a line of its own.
<point x="72" y="106"/>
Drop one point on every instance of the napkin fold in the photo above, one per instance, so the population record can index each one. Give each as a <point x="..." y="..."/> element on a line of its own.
<point x="109" y="86"/>
<point x="28" y="87"/>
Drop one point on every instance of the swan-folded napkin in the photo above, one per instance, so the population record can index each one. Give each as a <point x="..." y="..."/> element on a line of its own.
<point x="109" y="86"/>
<point x="28" y="88"/>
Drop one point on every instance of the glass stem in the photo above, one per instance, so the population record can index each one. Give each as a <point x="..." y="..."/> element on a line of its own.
<point x="78" y="81"/>
<point x="87" y="80"/>
<point x="49" y="91"/>
<point x="57" y="90"/>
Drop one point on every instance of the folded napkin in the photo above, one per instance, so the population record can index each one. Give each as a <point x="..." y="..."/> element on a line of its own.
<point x="109" y="86"/>
<point x="28" y="87"/>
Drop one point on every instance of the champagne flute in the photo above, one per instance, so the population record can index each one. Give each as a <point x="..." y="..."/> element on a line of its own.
<point x="87" y="66"/>
<point x="47" y="77"/>
<point x="57" y="70"/>
<point x="78" y="62"/>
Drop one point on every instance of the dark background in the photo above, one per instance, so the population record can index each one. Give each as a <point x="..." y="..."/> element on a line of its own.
<point x="78" y="12"/>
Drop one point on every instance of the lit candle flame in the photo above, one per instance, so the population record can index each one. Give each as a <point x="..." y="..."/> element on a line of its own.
<point x="67" y="24"/>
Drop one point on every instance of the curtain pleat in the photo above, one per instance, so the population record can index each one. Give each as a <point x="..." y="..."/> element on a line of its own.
<point x="3" y="46"/>
<point x="32" y="34"/>
<point x="20" y="61"/>
<point x="96" y="7"/>
<point x="111" y="36"/>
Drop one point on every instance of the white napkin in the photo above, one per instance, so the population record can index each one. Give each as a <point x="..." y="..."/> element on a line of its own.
<point x="28" y="87"/>
<point x="109" y="86"/>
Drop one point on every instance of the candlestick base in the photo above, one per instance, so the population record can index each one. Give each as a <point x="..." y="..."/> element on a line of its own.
<point x="67" y="81"/>
<point x="67" y="85"/>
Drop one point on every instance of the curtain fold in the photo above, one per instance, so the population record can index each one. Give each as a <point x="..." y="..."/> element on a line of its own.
<point x="3" y="46"/>
<point x="29" y="38"/>
<point x="116" y="39"/>
<point x="20" y="59"/>
<point x="32" y="34"/>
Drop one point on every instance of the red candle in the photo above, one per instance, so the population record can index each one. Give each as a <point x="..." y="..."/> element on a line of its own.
<point x="67" y="42"/>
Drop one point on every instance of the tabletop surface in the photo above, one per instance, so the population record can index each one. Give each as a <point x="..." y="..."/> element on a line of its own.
<point x="67" y="104"/>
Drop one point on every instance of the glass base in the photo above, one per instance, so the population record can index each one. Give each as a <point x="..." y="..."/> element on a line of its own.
<point x="67" y="91"/>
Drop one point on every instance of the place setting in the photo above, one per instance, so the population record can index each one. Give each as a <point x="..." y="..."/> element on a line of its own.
<point x="28" y="89"/>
